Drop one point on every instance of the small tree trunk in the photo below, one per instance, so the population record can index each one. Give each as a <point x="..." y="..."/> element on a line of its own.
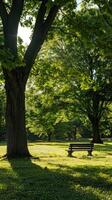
<point x="69" y="135"/>
<point x="75" y="133"/>
<point x="15" y="118"/>
<point x="49" y="136"/>
<point x="96" y="133"/>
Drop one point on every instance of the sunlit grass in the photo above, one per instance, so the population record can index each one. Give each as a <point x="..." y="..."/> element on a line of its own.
<point x="54" y="176"/>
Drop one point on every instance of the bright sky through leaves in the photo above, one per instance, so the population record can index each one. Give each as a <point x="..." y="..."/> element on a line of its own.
<point x="25" y="33"/>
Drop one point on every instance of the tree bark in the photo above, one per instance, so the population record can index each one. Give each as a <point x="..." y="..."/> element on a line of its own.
<point x="94" y="116"/>
<point x="96" y="133"/>
<point x="15" y="117"/>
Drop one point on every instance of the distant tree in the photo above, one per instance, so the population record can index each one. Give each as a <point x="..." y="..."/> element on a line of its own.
<point x="91" y="82"/>
<point x="45" y="108"/>
<point x="52" y="107"/>
<point x="86" y="79"/>
<point x="92" y="57"/>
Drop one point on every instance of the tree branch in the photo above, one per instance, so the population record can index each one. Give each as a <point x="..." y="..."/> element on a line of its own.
<point x="41" y="29"/>
<point x="3" y="12"/>
<point x="16" y="11"/>
<point x="11" y="28"/>
<point x="37" y="34"/>
<point x="51" y="16"/>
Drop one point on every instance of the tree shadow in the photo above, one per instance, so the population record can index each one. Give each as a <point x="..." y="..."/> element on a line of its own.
<point x="96" y="177"/>
<point x="104" y="147"/>
<point x="25" y="180"/>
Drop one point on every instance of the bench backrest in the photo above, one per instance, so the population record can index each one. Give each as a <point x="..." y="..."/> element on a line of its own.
<point x="90" y="145"/>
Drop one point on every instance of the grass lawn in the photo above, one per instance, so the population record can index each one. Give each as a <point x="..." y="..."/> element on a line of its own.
<point x="54" y="176"/>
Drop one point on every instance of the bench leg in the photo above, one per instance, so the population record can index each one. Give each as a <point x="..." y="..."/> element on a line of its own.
<point x="69" y="153"/>
<point x="89" y="153"/>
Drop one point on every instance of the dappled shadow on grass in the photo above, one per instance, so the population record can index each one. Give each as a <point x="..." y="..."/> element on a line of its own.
<point x="104" y="147"/>
<point x="58" y="144"/>
<point x="95" y="177"/>
<point x="25" y="180"/>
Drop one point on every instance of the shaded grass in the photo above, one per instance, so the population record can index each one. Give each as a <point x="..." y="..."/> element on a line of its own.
<point x="54" y="176"/>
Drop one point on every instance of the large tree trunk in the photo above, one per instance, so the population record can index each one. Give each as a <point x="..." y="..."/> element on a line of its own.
<point x="96" y="132"/>
<point x="95" y="117"/>
<point x="15" y="117"/>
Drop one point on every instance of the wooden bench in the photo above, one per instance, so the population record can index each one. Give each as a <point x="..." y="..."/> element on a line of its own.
<point x="80" y="147"/>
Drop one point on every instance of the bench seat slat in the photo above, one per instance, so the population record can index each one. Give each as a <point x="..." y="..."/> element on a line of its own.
<point x="81" y="145"/>
<point x="79" y="148"/>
